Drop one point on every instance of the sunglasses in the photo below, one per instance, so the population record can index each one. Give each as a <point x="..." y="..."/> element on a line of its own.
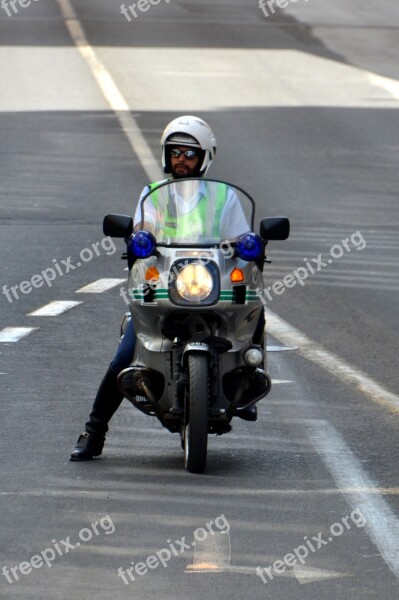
<point x="189" y="154"/>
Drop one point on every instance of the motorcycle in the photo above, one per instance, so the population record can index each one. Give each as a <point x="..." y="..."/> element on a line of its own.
<point x="195" y="300"/>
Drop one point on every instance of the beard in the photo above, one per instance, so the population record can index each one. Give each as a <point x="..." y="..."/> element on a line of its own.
<point x="182" y="171"/>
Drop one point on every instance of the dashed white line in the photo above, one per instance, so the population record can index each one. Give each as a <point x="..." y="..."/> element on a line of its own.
<point x="53" y="309"/>
<point x="14" y="334"/>
<point x="99" y="286"/>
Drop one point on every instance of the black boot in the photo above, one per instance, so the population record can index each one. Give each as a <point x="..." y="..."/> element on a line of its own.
<point x="88" y="446"/>
<point x="106" y="403"/>
<point x="248" y="414"/>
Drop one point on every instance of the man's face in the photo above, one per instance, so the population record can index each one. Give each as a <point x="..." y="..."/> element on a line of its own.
<point x="182" y="165"/>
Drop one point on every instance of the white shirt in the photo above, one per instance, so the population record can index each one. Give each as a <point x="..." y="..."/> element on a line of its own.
<point x="233" y="221"/>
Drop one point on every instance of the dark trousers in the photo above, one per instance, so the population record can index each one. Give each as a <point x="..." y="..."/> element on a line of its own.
<point x="109" y="398"/>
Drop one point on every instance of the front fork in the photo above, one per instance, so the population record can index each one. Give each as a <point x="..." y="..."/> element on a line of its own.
<point x="179" y="375"/>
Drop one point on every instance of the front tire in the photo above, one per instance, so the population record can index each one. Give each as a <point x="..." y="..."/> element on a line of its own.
<point x="196" y="414"/>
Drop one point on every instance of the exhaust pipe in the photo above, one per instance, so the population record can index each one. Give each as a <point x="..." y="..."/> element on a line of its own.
<point x="142" y="386"/>
<point x="258" y="384"/>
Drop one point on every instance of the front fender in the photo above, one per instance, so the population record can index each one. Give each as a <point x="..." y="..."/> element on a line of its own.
<point x="193" y="347"/>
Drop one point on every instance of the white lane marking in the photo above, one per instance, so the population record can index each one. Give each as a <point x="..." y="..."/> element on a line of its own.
<point x="306" y="574"/>
<point x="147" y="494"/>
<point x="382" y="525"/>
<point x="211" y="554"/>
<point x="386" y="83"/>
<point x="53" y="309"/>
<point x="99" y="286"/>
<point x="277" y="381"/>
<point x="111" y="92"/>
<point x="274" y="348"/>
<point x="287" y="334"/>
<point x="14" y="334"/>
<point x="212" y="568"/>
<point x="302" y="573"/>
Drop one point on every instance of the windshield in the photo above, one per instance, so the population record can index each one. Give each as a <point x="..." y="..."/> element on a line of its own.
<point x="196" y="212"/>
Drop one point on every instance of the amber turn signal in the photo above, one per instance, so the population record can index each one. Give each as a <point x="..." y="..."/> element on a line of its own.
<point x="152" y="273"/>
<point x="237" y="276"/>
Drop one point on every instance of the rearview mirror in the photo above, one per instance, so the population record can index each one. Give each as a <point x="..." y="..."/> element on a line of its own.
<point x="275" y="228"/>
<point x="120" y="226"/>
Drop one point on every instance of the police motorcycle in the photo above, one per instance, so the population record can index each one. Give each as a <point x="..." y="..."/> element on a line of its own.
<point x="194" y="297"/>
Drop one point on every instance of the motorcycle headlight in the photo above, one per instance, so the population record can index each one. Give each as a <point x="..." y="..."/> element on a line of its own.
<point x="194" y="282"/>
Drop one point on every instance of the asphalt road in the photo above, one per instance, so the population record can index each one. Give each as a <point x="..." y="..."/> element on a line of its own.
<point x="304" y="104"/>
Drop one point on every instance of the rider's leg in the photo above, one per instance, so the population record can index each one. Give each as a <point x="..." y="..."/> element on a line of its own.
<point x="107" y="401"/>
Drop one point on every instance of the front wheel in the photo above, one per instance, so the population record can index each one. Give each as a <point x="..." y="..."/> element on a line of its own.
<point x="196" y="414"/>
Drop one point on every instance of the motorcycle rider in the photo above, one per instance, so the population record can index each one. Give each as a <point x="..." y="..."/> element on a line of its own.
<point x="188" y="148"/>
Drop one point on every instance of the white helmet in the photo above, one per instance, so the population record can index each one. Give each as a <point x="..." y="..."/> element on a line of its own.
<point x="189" y="131"/>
